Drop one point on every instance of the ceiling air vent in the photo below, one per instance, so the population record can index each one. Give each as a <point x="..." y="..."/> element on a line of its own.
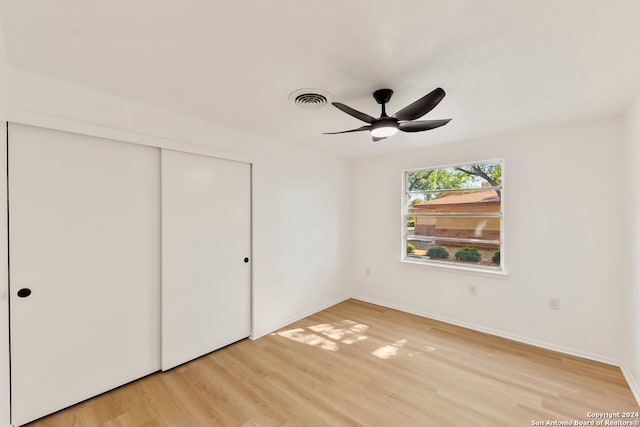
<point x="310" y="98"/>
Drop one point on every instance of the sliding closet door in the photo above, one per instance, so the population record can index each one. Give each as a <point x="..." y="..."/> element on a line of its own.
<point x="84" y="267"/>
<point x="205" y="255"/>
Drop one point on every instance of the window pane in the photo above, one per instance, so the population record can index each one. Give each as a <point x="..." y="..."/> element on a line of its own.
<point x="454" y="214"/>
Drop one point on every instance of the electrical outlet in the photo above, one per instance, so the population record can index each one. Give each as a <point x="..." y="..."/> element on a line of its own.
<point x="472" y="290"/>
<point x="554" y="303"/>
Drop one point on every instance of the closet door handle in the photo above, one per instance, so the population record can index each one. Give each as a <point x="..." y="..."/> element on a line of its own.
<point x="24" y="292"/>
<point x="246" y="260"/>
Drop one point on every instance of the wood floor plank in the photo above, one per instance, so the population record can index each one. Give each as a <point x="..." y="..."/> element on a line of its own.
<point x="358" y="364"/>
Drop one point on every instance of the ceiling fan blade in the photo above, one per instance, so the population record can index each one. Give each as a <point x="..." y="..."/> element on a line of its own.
<point x="422" y="106"/>
<point x="421" y="125"/>
<point x="377" y="138"/>
<point x="355" y="113"/>
<point x="347" y="131"/>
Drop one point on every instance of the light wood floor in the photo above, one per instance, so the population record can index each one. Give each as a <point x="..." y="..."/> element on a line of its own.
<point x="357" y="364"/>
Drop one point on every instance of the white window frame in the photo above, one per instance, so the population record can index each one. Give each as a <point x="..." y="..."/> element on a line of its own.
<point x="448" y="265"/>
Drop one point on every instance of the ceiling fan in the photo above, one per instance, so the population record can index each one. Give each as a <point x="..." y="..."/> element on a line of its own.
<point x="404" y="120"/>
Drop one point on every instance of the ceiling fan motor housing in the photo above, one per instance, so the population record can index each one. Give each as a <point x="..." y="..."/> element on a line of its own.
<point x="384" y="127"/>
<point x="385" y="122"/>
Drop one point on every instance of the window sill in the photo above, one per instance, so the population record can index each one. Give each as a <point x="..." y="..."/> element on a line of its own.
<point x="499" y="274"/>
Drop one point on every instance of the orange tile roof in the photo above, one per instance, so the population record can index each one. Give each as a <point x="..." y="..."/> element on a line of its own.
<point x="461" y="198"/>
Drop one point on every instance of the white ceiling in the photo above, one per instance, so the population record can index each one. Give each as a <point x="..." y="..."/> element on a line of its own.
<point x="505" y="64"/>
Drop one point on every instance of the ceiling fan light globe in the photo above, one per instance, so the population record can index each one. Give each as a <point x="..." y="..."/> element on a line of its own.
<point x="384" y="131"/>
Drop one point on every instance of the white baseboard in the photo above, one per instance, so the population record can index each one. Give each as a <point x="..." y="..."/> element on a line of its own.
<point x="541" y="344"/>
<point x="255" y="336"/>
<point x="633" y="385"/>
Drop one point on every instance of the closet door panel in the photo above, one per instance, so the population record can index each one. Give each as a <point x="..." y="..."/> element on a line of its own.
<point x="84" y="238"/>
<point x="206" y="226"/>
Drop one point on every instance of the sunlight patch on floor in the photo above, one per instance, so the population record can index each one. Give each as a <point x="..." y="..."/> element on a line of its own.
<point x="389" y="350"/>
<point x="345" y="332"/>
<point x="300" y="335"/>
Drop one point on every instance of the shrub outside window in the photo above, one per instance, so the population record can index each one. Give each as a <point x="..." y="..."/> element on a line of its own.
<point x="453" y="216"/>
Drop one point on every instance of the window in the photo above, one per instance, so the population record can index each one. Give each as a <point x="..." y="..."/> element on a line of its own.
<point x="453" y="216"/>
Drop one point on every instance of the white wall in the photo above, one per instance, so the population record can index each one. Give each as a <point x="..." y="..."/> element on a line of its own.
<point x="562" y="239"/>
<point x="4" y="297"/>
<point x="301" y="212"/>
<point x="631" y="223"/>
<point x="301" y="203"/>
